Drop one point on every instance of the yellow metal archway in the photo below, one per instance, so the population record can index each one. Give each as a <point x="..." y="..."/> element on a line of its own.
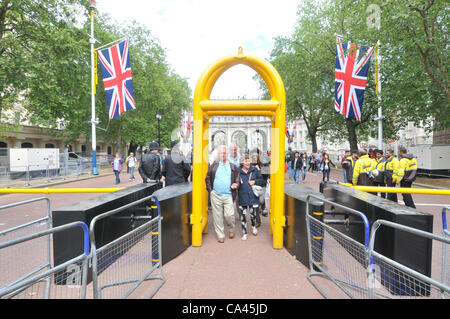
<point x="204" y="109"/>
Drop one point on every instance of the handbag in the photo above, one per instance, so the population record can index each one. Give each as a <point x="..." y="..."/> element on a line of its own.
<point x="257" y="190"/>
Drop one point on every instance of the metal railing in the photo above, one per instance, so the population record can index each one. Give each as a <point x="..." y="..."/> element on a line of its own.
<point x="390" y="279"/>
<point x="336" y="256"/>
<point x="120" y="266"/>
<point x="55" y="285"/>
<point x="13" y="267"/>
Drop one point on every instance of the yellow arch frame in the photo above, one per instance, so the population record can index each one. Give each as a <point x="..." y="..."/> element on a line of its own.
<point x="204" y="109"/>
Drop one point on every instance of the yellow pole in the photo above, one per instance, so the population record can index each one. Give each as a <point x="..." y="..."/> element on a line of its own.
<point x="57" y="190"/>
<point x="204" y="108"/>
<point x="428" y="191"/>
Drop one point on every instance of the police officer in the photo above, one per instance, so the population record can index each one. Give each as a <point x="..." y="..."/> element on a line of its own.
<point x="175" y="169"/>
<point x="391" y="169"/>
<point x="150" y="167"/>
<point x="380" y="166"/>
<point x="406" y="174"/>
<point x="362" y="173"/>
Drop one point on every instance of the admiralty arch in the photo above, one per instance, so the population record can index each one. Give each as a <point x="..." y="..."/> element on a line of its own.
<point x="248" y="132"/>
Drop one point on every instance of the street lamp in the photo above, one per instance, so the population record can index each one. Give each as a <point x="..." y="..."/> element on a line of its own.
<point x="158" y="117"/>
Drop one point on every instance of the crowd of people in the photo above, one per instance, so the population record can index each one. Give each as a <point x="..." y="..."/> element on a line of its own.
<point x="297" y="163"/>
<point x="237" y="183"/>
<point x="373" y="168"/>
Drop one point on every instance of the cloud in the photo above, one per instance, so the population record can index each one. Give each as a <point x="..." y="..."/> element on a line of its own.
<point x="197" y="32"/>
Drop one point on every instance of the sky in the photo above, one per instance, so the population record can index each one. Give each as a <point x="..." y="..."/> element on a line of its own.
<point x="195" y="33"/>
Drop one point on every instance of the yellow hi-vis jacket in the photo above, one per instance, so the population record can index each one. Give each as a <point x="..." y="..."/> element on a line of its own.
<point x="407" y="168"/>
<point x="380" y="165"/>
<point x="391" y="168"/>
<point x="363" y="165"/>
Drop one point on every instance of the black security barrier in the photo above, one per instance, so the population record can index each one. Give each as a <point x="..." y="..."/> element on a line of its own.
<point x="175" y="202"/>
<point x="295" y="232"/>
<point x="408" y="249"/>
<point x="66" y="245"/>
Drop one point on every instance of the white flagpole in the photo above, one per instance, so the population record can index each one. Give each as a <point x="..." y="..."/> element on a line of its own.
<point x="380" y="109"/>
<point x="93" y="119"/>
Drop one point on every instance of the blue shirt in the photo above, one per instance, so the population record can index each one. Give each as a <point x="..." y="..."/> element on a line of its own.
<point x="222" y="180"/>
<point x="236" y="161"/>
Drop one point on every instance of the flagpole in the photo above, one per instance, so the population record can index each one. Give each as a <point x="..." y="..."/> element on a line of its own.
<point x="93" y="119"/>
<point x="378" y="89"/>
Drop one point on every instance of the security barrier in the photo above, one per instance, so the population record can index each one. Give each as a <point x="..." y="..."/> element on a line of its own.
<point x="12" y="256"/>
<point x="390" y="279"/>
<point x="337" y="257"/>
<point x="47" y="283"/>
<point x="445" y="278"/>
<point x="120" y="266"/>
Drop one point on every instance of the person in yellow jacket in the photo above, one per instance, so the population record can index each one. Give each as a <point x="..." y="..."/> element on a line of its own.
<point x="406" y="174"/>
<point x="380" y="168"/>
<point x="363" y="171"/>
<point x="391" y="168"/>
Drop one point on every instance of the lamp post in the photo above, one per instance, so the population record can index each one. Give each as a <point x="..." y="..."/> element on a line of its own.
<point x="158" y="117"/>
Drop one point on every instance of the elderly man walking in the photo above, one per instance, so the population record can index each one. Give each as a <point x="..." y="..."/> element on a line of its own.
<point x="222" y="182"/>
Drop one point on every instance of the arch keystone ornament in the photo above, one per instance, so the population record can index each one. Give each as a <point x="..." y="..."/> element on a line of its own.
<point x="204" y="109"/>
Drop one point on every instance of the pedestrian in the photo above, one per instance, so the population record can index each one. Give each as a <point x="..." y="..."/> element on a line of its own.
<point x="391" y="169"/>
<point x="234" y="156"/>
<point x="304" y="159"/>
<point x="150" y="166"/>
<point x="318" y="161"/>
<point x="248" y="201"/>
<point x="380" y="167"/>
<point x="175" y="169"/>
<point x="407" y="174"/>
<point x="131" y="164"/>
<point x="117" y="167"/>
<point x="312" y="161"/>
<point x="344" y="164"/>
<point x="363" y="170"/>
<point x="222" y="182"/>
<point x="289" y="159"/>
<point x="325" y="167"/>
<point x="297" y="166"/>
<point x="265" y="172"/>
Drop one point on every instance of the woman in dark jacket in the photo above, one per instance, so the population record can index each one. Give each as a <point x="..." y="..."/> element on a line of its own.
<point x="248" y="202"/>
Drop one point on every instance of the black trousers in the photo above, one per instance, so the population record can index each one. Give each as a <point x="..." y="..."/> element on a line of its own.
<point x="407" y="198"/>
<point x="382" y="184"/>
<point x="391" y="196"/>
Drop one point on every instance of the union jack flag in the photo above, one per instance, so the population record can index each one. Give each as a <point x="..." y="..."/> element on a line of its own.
<point x="352" y="67"/>
<point x="116" y="72"/>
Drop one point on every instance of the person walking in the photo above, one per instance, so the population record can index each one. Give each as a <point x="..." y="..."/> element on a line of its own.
<point x="131" y="164"/>
<point x="391" y="169"/>
<point x="304" y="159"/>
<point x="150" y="166"/>
<point x="222" y="182"/>
<point x="175" y="170"/>
<point x="117" y="167"/>
<point x="296" y="167"/>
<point x="380" y="167"/>
<point x="248" y="201"/>
<point x="325" y="167"/>
<point x="289" y="158"/>
<point x="407" y="174"/>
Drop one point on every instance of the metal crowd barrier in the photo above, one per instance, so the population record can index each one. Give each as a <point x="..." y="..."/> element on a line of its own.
<point x="12" y="265"/>
<point x="390" y="279"/>
<point x="336" y="256"/>
<point x="119" y="267"/>
<point x="359" y="271"/>
<point x="49" y="283"/>
<point x="445" y="278"/>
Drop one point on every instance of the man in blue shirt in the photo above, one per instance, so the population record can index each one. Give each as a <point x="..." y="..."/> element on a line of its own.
<point x="222" y="182"/>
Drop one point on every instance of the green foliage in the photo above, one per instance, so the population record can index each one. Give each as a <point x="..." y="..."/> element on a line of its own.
<point x="45" y="64"/>
<point x="414" y="42"/>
